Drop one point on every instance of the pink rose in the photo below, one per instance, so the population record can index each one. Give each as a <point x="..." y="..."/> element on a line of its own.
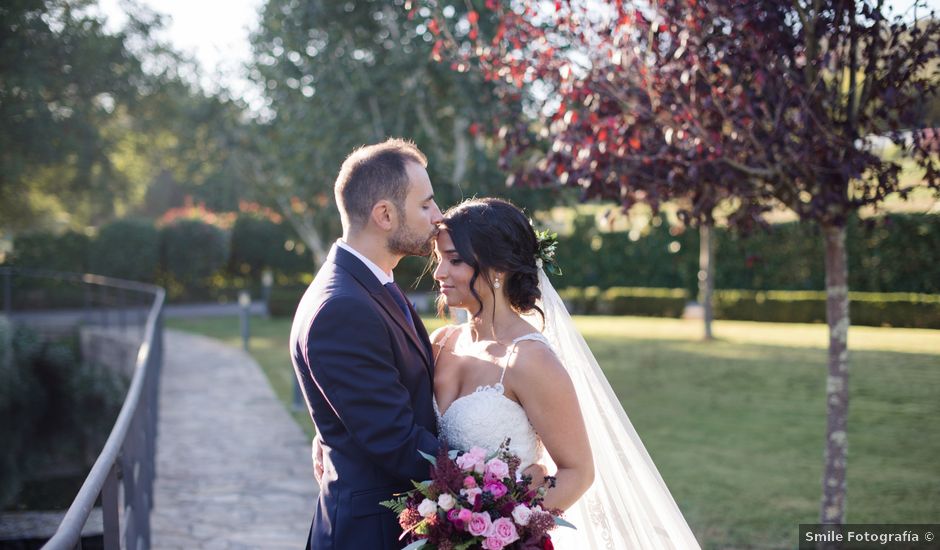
<point x="496" y="488"/>
<point x="459" y="518"/>
<point x="466" y="462"/>
<point x="479" y="524"/>
<point x="493" y="543"/>
<point x="497" y="469"/>
<point x="465" y="515"/>
<point x="505" y="531"/>
<point x="472" y="460"/>
<point x="469" y="482"/>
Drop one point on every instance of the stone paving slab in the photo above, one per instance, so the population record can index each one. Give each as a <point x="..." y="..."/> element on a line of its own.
<point x="233" y="468"/>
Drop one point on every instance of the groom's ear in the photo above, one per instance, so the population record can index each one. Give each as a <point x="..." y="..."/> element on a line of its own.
<point x="384" y="215"/>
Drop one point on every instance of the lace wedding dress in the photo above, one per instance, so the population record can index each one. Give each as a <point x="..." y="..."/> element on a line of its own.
<point x="486" y="417"/>
<point x="629" y="505"/>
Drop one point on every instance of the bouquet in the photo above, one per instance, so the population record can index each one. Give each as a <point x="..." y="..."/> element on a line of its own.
<point x="474" y="500"/>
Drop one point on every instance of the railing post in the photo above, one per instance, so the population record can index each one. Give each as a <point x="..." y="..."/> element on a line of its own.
<point x="122" y="314"/>
<point x="122" y="476"/>
<point x="244" y="300"/>
<point x="110" y="508"/>
<point x="86" y="304"/>
<point x="8" y="291"/>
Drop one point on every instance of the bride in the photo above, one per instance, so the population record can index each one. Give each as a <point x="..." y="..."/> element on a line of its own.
<point x="518" y="369"/>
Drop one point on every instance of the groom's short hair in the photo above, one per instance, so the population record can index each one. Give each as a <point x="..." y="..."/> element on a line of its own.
<point x="372" y="173"/>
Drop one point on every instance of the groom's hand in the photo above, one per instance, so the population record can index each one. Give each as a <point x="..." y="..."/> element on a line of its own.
<point x="317" y="453"/>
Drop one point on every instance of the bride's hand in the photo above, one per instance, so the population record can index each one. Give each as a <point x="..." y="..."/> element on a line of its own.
<point x="317" y="458"/>
<point x="538" y="473"/>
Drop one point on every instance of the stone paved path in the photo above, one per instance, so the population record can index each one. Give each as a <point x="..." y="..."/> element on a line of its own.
<point x="233" y="469"/>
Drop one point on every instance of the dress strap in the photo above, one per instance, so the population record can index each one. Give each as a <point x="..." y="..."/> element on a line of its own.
<point x="537" y="336"/>
<point x="449" y="332"/>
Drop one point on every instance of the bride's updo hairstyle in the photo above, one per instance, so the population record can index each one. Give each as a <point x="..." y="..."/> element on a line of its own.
<point x="493" y="234"/>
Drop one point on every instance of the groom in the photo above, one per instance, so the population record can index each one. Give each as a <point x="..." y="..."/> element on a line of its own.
<point x="362" y="355"/>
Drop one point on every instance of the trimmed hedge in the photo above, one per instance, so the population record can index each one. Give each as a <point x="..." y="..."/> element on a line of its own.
<point x="67" y="251"/>
<point x="649" y="302"/>
<point x="894" y="309"/>
<point x="127" y="249"/>
<point x="893" y="253"/>
<point x="779" y="306"/>
<point x="191" y="251"/>
<point x="283" y="300"/>
<point x="259" y="243"/>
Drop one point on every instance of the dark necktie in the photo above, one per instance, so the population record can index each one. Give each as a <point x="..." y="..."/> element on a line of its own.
<point x="402" y="302"/>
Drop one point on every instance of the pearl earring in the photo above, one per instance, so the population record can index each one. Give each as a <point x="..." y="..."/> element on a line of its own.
<point x="496" y="283"/>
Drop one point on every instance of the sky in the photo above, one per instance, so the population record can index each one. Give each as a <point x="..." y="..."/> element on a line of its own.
<point x="214" y="32"/>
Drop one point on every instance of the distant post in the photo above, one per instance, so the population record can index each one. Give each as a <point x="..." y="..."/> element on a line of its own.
<point x="244" y="300"/>
<point x="267" y="280"/>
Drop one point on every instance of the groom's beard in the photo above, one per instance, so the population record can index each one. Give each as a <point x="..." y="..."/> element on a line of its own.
<point x="408" y="243"/>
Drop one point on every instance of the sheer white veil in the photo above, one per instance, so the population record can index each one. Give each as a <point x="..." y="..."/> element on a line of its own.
<point x="629" y="505"/>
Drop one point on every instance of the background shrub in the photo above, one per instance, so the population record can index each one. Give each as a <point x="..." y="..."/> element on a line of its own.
<point x="66" y="251"/>
<point x="127" y="249"/>
<point x="191" y="251"/>
<point x="893" y="253"/>
<point x="896" y="309"/>
<point x="258" y="243"/>
<point x="56" y="411"/>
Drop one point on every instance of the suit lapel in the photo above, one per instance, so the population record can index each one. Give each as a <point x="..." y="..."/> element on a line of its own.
<point x="381" y="295"/>
<point x="423" y="336"/>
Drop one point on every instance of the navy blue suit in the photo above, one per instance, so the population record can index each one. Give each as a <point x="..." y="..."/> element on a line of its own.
<point x="367" y="377"/>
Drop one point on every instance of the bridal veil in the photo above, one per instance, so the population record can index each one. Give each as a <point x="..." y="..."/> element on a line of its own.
<point x="629" y="505"/>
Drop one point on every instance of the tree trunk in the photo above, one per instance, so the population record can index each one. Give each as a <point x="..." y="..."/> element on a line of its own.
<point x="306" y="230"/>
<point x="837" y="383"/>
<point x="461" y="149"/>
<point x="706" y="276"/>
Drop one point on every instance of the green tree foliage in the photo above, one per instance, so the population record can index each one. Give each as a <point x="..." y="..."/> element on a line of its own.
<point x="86" y="130"/>
<point x="340" y="74"/>
<point x="63" y="77"/>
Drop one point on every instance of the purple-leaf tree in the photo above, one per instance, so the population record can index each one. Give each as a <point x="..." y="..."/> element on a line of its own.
<point x="751" y="105"/>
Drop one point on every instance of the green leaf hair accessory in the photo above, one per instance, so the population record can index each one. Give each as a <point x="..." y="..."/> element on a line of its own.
<point x="545" y="252"/>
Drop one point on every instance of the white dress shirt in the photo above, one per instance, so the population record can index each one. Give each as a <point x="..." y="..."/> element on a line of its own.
<point x="382" y="276"/>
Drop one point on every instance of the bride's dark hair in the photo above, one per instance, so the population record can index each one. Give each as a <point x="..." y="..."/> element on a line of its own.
<point x="493" y="234"/>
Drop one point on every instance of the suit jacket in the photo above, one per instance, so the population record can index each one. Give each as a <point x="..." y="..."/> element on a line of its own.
<point x="367" y="378"/>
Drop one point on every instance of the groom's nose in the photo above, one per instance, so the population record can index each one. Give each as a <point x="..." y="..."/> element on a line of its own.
<point x="436" y="216"/>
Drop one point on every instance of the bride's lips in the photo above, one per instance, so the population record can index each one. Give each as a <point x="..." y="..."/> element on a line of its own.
<point x="445" y="288"/>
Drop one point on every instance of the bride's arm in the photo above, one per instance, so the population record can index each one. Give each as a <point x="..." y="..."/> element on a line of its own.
<point x="543" y="387"/>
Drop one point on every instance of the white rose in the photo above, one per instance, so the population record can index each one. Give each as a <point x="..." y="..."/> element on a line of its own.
<point x="446" y="502"/>
<point x="427" y="508"/>
<point x="521" y="515"/>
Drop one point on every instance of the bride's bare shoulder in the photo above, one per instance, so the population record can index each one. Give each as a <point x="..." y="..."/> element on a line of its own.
<point x="440" y="336"/>
<point x="534" y="360"/>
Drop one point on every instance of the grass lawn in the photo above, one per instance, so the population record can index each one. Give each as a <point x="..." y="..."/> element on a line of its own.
<point x="737" y="426"/>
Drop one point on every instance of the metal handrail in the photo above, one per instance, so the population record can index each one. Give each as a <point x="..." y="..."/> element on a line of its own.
<point x="139" y="407"/>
